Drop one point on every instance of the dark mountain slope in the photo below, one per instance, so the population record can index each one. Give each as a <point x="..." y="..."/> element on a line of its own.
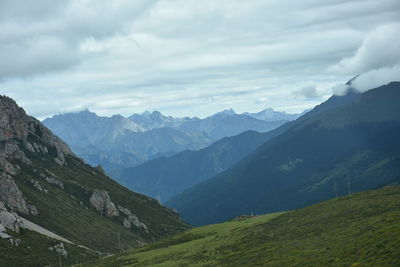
<point x="163" y="178"/>
<point x="351" y="147"/>
<point x="42" y="181"/>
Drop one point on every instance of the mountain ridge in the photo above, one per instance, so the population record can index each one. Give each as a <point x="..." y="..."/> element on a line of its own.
<point x="164" y="177"/>
<point x="117" y="142"/>
<point x="307" y="160"/>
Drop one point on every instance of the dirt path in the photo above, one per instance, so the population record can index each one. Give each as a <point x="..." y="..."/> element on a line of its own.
<point x="34" y="227"/>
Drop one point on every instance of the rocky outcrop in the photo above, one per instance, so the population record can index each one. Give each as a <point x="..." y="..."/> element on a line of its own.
<point x="55" y="181"/>
<point x="38" y="186"/>
<point x="131" y="219"/>
<point x="10" y="221"/>
<point x="12" y="150"/>
<point x="3" y="233"/>
<point x="7" y="167"/>
<point x="16" y="130"/>
<point x="12" y="197"/>
<point x="59" y="249"/>
<point x="101" y="201"/>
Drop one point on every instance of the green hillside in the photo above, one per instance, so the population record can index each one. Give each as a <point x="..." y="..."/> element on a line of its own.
<point x="61" y="210"/>
<point x="356" y="230"/>
<point x="33" y="250"/>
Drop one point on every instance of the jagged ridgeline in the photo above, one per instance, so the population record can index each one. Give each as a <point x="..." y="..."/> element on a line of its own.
<point x="68" y="204"/>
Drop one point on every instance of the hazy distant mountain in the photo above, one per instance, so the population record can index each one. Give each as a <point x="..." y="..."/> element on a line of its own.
<point x="151" y="120"/>
<point x="220" y="125"/>
<point x="87" y="128"/>
<point x="117" y="142"/>
<point x="229" y="123"/>
<point x="271" y="115"/>
<point x="347" y="144"/>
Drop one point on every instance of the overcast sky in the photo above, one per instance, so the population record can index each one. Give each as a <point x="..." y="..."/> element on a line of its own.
<point x="190" y="57"/>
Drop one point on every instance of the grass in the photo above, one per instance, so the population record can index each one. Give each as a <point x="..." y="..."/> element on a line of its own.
<point x="362" y="229"/>
<point x="33" y="250"/>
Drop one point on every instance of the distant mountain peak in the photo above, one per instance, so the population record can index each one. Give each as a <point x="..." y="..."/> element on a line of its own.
<point x="270" y="114"/>
<point x="156" y="112"/>
<point x="85" y="111"/>
<point x="227" y="112"/>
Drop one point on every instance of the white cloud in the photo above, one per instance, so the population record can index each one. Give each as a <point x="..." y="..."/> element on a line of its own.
<point x="376" y="78"/>
<point x="380" y="48"/>
<point x="376" y="62"/>
<point x="340" y="89"/>
<point x="308" y="92"/>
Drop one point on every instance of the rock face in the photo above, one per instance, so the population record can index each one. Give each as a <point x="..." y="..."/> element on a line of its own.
<point x="10" y="221"/>
<point x="131" y="219"/>
<point x="38" y="186"/>
<point x="7" y="167"/>
<point x="59" y="249"/>
<point x="55" y="181"/>
<point x="16" y="128"/>
<point x="101" y="201"/>
<point x="21" y="134"/>
<point x="11" y="195"/>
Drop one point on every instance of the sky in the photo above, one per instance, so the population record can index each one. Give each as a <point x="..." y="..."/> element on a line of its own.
<point x="190" y="57"/>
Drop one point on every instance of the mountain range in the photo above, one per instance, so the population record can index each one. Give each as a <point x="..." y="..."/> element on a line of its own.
<point x="117" y="142"/>
<point x="166" y="177"/>
<point x="347" y="144"/>
<point x="54" y="207"/>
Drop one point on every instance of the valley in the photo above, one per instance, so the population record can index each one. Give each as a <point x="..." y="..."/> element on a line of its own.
<point x="180" y="133"/>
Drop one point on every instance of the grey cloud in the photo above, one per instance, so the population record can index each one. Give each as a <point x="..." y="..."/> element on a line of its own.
<point x="39" y="55"/>
<point x="308" y="92"/>
<point x="116" y="56"/>
<point x="45" y="36"/>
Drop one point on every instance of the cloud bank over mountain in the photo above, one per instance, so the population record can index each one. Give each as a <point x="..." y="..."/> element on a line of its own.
<point x="376" y="61"/>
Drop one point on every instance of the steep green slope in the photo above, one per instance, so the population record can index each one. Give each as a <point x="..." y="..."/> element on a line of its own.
<point x="33" y="250"/>
<point x="164" y="178"/>
<point x="356" y="230"/>
<point x="69" y="213"/>
<point x="322" y="155"/>
<point x="42" y="181"/>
